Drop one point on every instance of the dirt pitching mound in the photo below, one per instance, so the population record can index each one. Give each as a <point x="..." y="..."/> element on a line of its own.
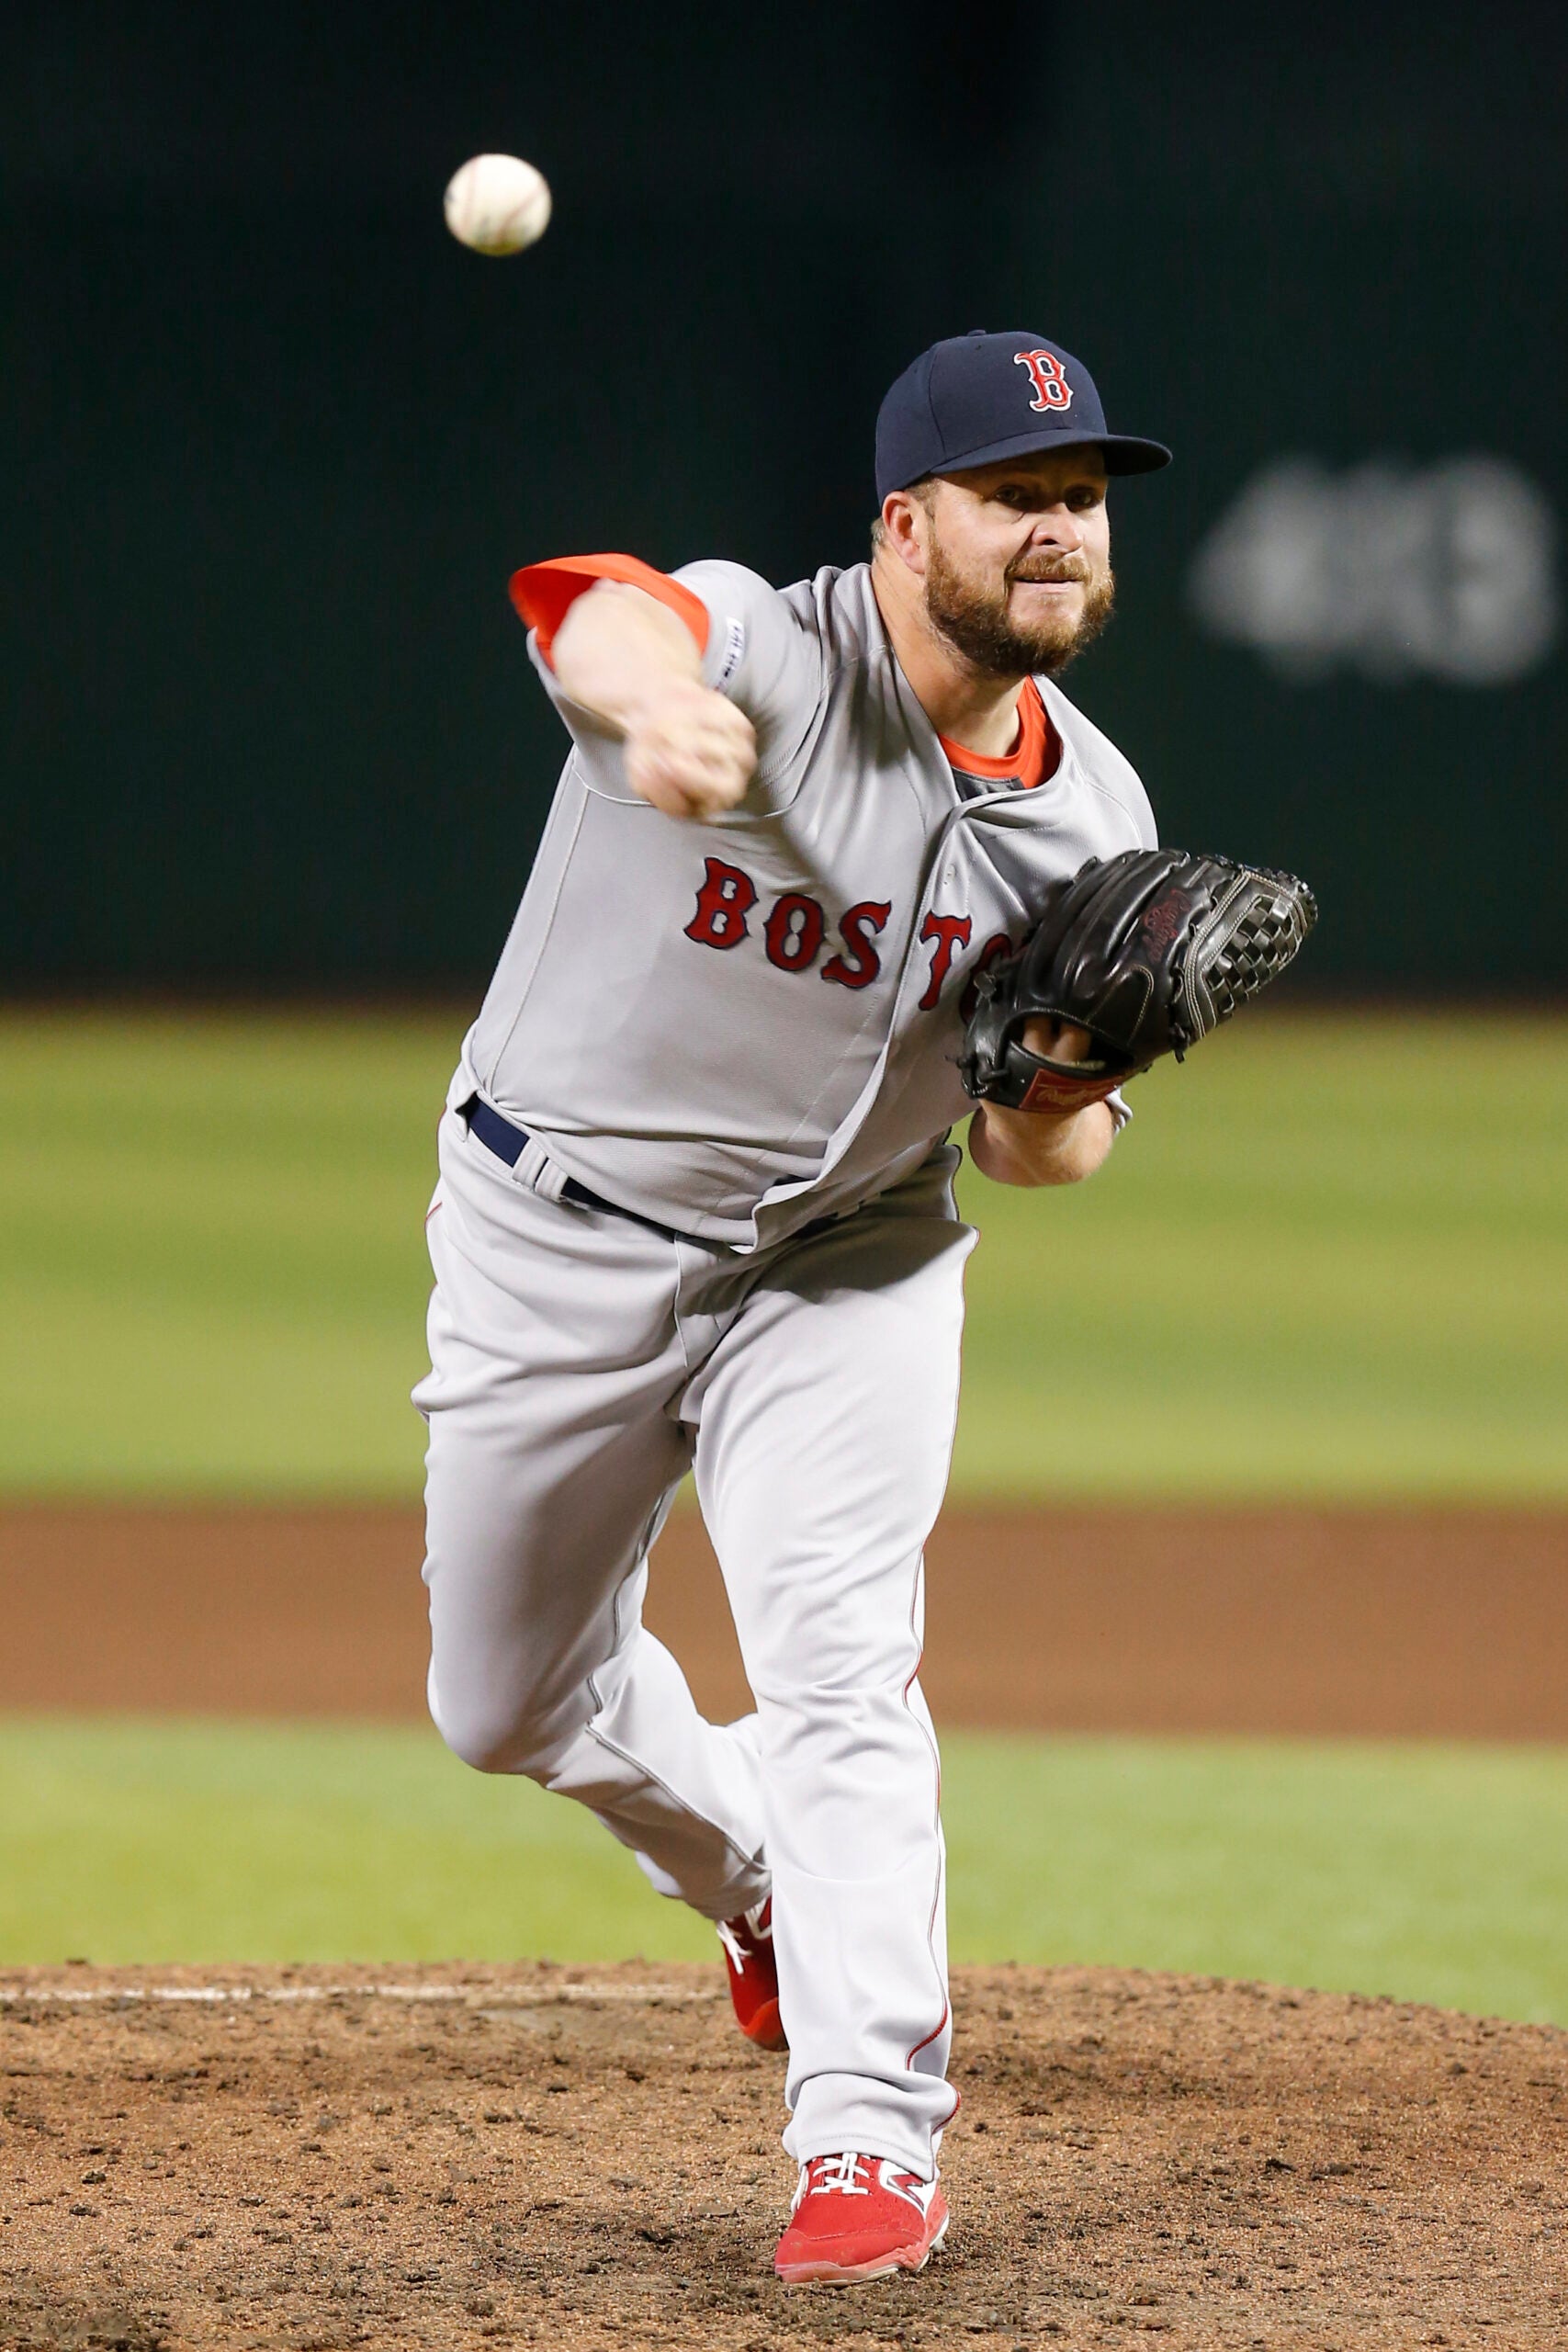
<point x="468" y="2157"/>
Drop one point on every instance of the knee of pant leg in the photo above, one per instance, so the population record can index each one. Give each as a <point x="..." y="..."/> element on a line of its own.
<point x="497" y="1731"/>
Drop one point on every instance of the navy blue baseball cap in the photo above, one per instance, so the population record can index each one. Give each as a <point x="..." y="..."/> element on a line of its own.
<point x="978" y="397"/>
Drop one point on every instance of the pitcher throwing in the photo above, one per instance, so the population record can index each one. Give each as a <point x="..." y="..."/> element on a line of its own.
<point x="696" y="1211"/>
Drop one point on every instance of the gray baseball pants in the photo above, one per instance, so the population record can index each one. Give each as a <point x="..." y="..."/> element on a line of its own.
<point x="580" y="1364"/>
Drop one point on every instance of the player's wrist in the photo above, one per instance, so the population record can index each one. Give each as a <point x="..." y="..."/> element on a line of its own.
<point x="689" y="750"/>
<point x="1031" y="1131"/>
<point x="671" y="713"/>
<point x="1035" y="1147"/>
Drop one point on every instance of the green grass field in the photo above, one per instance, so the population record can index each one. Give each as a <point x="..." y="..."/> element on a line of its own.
<point x="1431" y="1873"/>
<point x="1328" y="1259"/>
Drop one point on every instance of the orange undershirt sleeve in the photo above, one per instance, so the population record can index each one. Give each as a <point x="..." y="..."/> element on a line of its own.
<point x="544" y="593"/>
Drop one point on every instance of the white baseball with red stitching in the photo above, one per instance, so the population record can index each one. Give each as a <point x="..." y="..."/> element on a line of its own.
<point x="498" y="204"/>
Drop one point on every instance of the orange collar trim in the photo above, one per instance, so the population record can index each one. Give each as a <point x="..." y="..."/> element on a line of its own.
<point x="1032" y="758"/>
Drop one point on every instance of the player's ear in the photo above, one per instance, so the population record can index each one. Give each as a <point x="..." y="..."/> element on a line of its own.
<point x="906" y="522"/>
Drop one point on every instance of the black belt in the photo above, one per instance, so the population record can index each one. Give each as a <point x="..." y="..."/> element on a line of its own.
<point x="509" y="1143"/>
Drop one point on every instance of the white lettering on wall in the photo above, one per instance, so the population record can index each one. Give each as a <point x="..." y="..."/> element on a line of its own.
<point x="1400" y="572"/>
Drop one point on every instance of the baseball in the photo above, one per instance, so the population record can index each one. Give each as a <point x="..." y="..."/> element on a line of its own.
<point x="497" y="204"/>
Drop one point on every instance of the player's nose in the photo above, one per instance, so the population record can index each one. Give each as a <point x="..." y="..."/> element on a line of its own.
<point x="1058" y="527"/>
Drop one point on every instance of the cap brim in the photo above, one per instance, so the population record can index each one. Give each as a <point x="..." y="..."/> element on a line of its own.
<point x="1125" y="452"/>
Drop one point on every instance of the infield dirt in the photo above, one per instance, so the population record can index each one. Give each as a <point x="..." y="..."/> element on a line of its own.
<point x="589" y="2158"/>
<point x="1270" y="1619"/>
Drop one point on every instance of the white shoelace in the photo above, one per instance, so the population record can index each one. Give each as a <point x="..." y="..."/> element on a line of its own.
<point x="752" y="1921"/>
<point x="732" y="1943"/>
<point x="846" y="2175"/>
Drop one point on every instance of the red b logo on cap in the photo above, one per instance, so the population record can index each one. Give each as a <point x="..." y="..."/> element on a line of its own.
<point x="1052" y="388"/>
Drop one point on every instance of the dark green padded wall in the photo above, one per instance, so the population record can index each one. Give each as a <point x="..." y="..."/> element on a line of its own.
<point x="273" y="442"/>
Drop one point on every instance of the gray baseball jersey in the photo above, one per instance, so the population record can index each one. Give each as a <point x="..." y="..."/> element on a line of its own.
<point x="738" y="1027"/>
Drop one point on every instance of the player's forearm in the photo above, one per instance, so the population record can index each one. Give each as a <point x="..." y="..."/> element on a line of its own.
<point x="1030" y="1147"/>
<point x="617" y="652"/>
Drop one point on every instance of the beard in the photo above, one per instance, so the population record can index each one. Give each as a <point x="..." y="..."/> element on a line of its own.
<point x="976" y="623"/>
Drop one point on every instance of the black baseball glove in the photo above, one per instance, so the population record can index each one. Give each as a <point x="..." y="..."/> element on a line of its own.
<point x="1148" y="952"/>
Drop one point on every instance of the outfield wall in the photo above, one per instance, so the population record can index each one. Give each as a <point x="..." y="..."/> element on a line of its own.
<point x="268" y="717"/>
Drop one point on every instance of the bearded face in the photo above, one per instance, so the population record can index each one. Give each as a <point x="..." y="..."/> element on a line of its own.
<point x="979" y="615"/>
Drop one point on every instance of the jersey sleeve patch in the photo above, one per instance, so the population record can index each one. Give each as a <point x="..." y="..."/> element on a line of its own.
<point x="544" y="593"/>
<point x="734" y="648"/>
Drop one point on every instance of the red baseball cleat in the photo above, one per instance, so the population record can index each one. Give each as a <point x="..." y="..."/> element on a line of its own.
<point x="748" y="1943"/>
<point x="859" y="2217"/>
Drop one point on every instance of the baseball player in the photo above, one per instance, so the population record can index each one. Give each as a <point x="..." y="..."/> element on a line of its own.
<point x="695" y="1212"/>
